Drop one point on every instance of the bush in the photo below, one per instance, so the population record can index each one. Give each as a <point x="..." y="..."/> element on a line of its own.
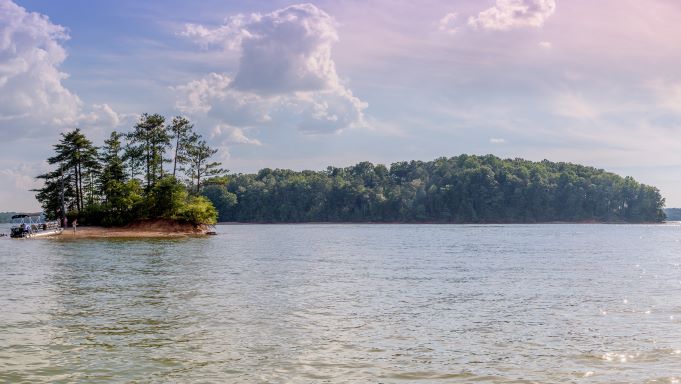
<point x="167" y="199"/>
<point x="90" y="215"/>
<point x="198" y="210"/>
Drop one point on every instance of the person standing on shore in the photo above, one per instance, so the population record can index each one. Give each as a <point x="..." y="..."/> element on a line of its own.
<point x="74" y="224"/>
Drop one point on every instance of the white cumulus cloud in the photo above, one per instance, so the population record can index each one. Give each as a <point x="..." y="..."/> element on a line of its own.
<point x="214" y="96"/>
<point x="232" y="135"/>
<point x="198" y="95"/>
<point x="31" y="92"/>
<point x="32" y="96"/>
<point x="508" y="14"/>
<point x="285" y="65"/>
<point x="288" y="50"/>
<point x="101" y="115"/>
<point x="229" y="35"/>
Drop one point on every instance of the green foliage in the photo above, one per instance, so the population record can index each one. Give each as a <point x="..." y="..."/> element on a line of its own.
<point x="148" y="143"/>
<point x="124" y="206"/>
<point x="113" y="166"/>
<point x="76" y="175"/>
<point x="167" y="199"/>
<point x="199" y="167"/>
<point x="182" y="132"/>
<point x="198" y="210"/>
<point x="91" y="214"/>
<point x="223" y="200"/>
<point x="462" y="189"/>
<point x="170" y="200"/>
<point x="101" y="187"/>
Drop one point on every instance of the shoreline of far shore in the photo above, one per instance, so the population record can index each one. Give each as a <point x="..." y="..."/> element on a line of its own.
<point x="442" y="222"/>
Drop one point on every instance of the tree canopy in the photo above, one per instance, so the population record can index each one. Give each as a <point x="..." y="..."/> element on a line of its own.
<point x="461" y="189"/>
<point x="125" y="179"/>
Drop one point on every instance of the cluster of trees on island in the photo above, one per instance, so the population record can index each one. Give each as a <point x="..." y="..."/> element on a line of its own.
<point x="126" y="179"/>
<point x="161" y="170"/>
<point x="461" y="189"/>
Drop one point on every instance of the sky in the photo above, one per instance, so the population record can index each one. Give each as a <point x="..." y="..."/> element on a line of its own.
<point x="307" y="85"/>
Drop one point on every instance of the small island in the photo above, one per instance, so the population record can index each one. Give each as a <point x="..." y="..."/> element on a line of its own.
<point x="125" y="190"/>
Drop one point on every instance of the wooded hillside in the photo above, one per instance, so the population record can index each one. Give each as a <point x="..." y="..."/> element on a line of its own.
<point x="461" y="189"/>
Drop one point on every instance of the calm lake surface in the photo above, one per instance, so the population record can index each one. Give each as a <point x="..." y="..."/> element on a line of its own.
<point x="347" y="303"/>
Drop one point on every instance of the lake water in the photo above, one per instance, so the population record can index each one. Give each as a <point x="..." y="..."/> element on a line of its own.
<point x="347" y="303"/>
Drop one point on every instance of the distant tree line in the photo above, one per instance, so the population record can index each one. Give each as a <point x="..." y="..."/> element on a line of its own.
<point x="673" y="214"/>
<point x="461" y="189"/>
<point x="157" y="170"/>
<point x="6" y="217"/>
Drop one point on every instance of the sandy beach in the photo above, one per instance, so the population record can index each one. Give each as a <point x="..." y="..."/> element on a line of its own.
<point x="144" y="229"/>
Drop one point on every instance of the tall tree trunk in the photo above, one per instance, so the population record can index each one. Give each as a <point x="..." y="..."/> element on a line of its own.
<point x="148" y="153"/>
<point x="92" y="189"/>
<point x="177" y="144"/>
<point x="198" y="177"/>
<point x="80" y="186"/>
<point x="160" y="165"/>
<point x="75" y="174"/>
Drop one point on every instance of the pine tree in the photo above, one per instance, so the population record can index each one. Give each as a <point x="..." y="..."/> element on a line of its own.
<point x="97" y="189"/>
<point x="76" y="156"/>
<point x="181" y="131"/>
<point x="113" y="169"/>
<point x="57" y="194"/>
<point x="198" y="155"/>
<point x="149" y="141"/>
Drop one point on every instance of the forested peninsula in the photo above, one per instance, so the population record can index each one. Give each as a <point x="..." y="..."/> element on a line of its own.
<point x="460" y="189"/>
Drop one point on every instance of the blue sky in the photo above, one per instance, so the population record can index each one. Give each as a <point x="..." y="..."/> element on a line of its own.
<point x="305" y="85"/>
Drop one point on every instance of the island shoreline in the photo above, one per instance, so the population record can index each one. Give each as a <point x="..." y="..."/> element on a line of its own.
<point x="158" y="228"/>
<point x="157" y="231"/>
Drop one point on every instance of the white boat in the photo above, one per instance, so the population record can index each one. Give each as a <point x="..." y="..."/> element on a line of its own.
<point x="27" y="227"/>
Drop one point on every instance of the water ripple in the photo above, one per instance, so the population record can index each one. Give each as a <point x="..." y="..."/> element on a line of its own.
<point x="347" y="303"/>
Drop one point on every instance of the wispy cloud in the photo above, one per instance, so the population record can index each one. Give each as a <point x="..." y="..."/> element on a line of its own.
<point x="667" y="94"/>
<point x="573" y="105"/>
<point x="447" y="24"/>
<point x="508" y="14"/>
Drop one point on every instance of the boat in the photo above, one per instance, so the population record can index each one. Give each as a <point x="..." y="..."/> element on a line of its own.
<point x="28" y="227"/>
